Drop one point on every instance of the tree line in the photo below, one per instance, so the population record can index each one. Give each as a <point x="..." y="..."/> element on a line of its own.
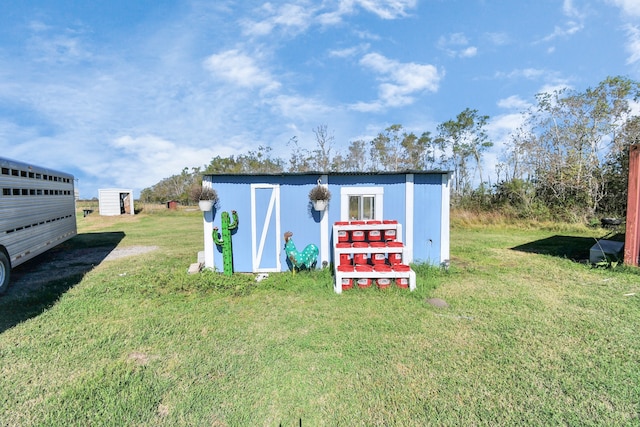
<point x="568" y="160"/>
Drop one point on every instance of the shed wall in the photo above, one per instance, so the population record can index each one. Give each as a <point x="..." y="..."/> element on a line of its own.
<point x="417" y="201"/>
<point x="109" y="202"/>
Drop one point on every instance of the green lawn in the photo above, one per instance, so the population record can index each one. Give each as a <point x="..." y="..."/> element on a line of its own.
<point x="529" y="337"/>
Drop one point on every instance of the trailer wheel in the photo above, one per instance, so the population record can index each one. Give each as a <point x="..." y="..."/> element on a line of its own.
<point x="5" y="272"/>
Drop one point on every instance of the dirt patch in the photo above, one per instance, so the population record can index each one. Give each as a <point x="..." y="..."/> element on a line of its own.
<point x="437" y="302"/>
<point x="60" y="263"/>
<point x="118" y="253"/>
<point x="140" y="358"/>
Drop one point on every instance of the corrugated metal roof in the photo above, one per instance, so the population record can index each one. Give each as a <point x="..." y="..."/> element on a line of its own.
<point x="315" y="173"/>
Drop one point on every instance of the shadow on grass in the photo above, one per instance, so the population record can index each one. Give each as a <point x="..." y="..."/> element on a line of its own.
<point x="37" y="284"/>
<point x="570" y="247"/>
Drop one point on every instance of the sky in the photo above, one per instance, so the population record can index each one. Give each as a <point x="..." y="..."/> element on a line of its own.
<point x="124" y="93"/>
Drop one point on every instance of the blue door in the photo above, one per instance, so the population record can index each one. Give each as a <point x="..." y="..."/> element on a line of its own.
<point x="265" y="228"/>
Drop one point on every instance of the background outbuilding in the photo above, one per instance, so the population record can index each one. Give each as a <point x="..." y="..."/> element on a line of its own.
<point x="115" y="201"/>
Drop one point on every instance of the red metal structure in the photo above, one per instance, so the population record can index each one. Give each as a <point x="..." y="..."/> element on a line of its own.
<point x="632" y="235"/>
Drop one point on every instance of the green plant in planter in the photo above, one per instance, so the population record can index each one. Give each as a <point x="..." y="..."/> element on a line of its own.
<point x="319" y="196"/>
<point x="225" y="241"/>
<point x="319" y="192"/>
<point x="201" y="194"/>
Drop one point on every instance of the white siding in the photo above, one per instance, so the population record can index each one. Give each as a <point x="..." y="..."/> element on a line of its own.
<point x="37" y="207"/>
<point x="109" y="201"/>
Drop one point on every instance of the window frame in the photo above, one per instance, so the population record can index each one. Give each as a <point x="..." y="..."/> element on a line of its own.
<point x="376" y="192"/>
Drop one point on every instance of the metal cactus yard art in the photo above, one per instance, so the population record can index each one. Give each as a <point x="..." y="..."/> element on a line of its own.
<point x="225" y="241"/>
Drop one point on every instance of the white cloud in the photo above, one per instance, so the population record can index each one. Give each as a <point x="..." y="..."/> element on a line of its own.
<point x="51" y="46"/>
<point x="297" y="16"/>
<point x="527" y="73"/>
<point x="498" y="39"/>
<point x="550" y="80"/>
<point x="457" y="45"/>
<point x="633" y="43"/>
<point x="291" y="17"/>
<point x="400" y="81"/>
<point x="629" y="7"/>
<point x="514" y="102"/>
<point x="348" y="52"/>
<point x="469" y="52"/>
<point x="569" y="29"/>
<point x="367" y="107"/>
<point x="554" y="87"/>
<point x="155" y="157"/>
<point x="502" y="126"/>
<point x="570" y="10"/>
<point x="573" y="25"/>
<point x="297" y="107"/>
<point x="240" y="69"/>
<point x="386" y="9"/>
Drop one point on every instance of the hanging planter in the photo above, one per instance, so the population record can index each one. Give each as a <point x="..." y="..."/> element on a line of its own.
<point x="205" y="205"/>
<point x="206" y="196"/>
<point x="320" y="196"/>
<point x="320" y="205"/>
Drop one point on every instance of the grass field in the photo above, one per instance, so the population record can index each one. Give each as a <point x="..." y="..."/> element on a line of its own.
<point x="529" y="337"/>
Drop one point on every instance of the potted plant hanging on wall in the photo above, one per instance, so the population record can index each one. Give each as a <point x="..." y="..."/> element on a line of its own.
<point x="320" y="196"/>
<point x="206" y="196"/>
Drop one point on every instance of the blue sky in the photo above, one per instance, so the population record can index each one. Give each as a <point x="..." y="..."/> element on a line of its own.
<point x="125" y="93"/>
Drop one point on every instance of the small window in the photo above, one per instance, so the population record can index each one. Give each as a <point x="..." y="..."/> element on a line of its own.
<point x="6" y="191"/>
<point x="361" y="203"/>
<point x="23" y="174"/>
<point x="5" y="171"/>
<point x="362" y="207"/>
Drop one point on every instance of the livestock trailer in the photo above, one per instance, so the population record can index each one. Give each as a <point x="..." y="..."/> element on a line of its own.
<point x="268" y="205"/>
<point x="37" y="212"/>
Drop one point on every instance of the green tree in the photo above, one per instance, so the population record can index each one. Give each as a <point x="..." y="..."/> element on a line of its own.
<point x="258" y="161"/>
<point x="386" y="149"/>
<point x="616" y="170"/>
<point x="357" y="158"/>
<point x="567" y="143"/>
<point x="321" y="156"/>
<point x="319" y="159"/>
<point x="175" y="187"/>
<point x="396" y="150"/>
<point x="418" y="152"/>
<point x="300" y="160"/>
<point x="464" y="140"/>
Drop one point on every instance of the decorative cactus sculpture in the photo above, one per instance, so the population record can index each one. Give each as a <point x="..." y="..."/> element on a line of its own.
<point x="225" y="241"/>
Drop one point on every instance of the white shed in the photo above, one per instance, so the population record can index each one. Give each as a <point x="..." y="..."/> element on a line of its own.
<point x="115" y="201"/>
